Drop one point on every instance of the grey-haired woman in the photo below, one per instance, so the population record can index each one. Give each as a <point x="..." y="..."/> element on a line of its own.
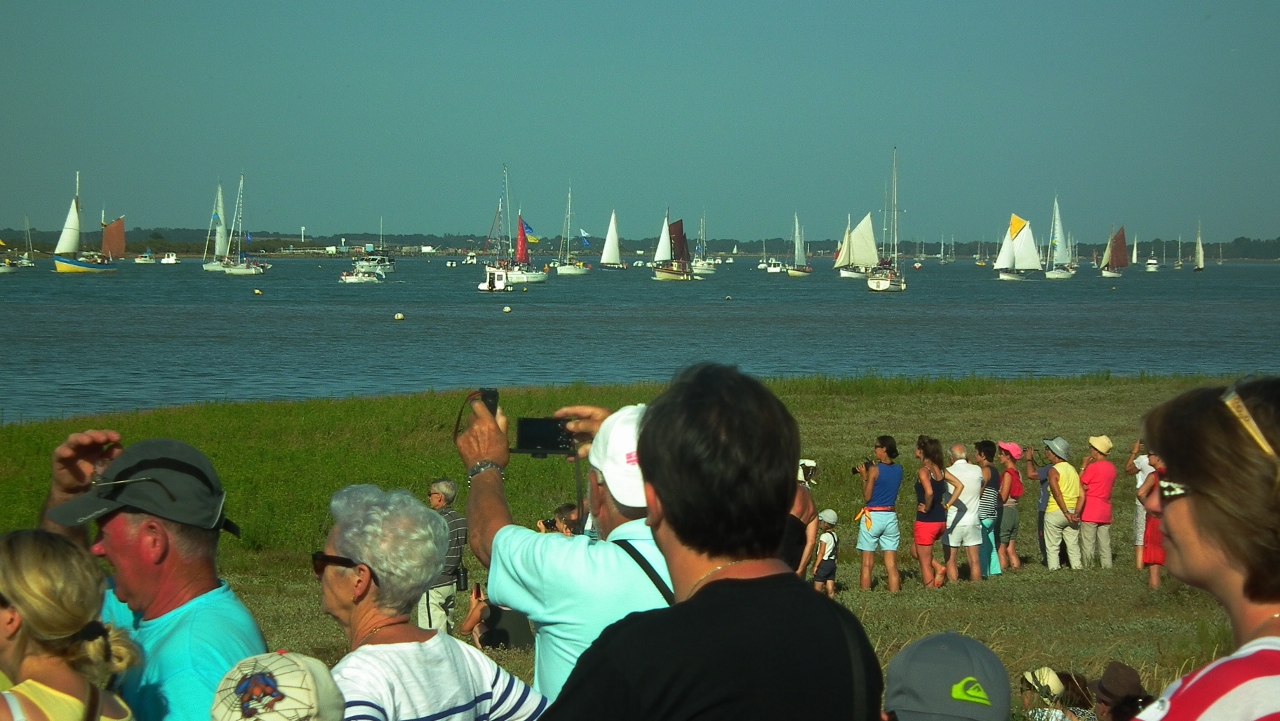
<point x="384" y="549"/>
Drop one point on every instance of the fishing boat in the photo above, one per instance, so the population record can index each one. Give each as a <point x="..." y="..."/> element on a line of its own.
<point x="566" y="263"/>
<point x="1114" y="258"/>
<point x="495" y="281"/>
<point x="28" y="258"/>
<point x="240" y="264"/>
<point x="361" y="276"/>
<point x="378" y="262"/>
<point x="611" y="256"/>
<point x="858" y="253"/>
<point x="218" y="234"/>
<point x="700" y="265"/>
<point x="671" y="260"/>
<point x="170" y="259"/>
<point x="800" y="268"/>
<point x="1200" y="251"/>
<point x="1153" y="265"/>
<point x="1059" y="249"/>
<point x="67" y="257"/>
<point x="886" y="278"/>
<point x="1018" y="254"/>
<point x="147" y="258"/>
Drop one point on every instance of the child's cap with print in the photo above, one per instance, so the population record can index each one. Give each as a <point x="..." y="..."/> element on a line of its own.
<point x="947" y="676"/>
<point x="829" y="516"/>
<point x="278" y="686"/>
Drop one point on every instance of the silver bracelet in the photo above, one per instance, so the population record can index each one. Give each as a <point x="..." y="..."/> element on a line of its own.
<point x="483" y="466"/>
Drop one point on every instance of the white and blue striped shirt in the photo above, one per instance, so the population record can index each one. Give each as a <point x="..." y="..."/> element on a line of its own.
<point x="441" y="679"/>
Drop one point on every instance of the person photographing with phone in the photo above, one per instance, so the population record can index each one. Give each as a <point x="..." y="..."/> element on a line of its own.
<point x="571" y="588"/>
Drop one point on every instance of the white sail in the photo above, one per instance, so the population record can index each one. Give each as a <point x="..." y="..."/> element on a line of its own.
<point x="1134" y="260"/>
<point x="1025" y="254"/>
<point x="69" y="241"/>
<point x="863" y="241"/>
<point x="798" y="241"/>
<point x="844" y="255"/>
<point x="1106" y="255"/>
<point x="612" y="250"/>
<point x="1004" y="261"/>
<point x="1199" y="250"/>
<point x="1057" y="241"/>
<point x="664" y="242"/>
<point x="222" y="245"/>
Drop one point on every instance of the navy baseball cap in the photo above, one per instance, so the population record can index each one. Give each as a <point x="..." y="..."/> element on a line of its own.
<point x="947" y="676"/>
<point x="163" y="477"/>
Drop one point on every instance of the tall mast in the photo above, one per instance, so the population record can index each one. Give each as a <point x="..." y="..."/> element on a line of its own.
<point x="506" y="193"/>
<point x="895" y="208"/>
<point x="381" y="244"/>
<point x="884" y="221"/>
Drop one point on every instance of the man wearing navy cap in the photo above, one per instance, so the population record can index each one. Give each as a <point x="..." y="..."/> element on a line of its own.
<point x="158" y="505"/>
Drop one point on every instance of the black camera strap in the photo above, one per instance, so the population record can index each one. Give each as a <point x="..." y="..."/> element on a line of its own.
<point x="649" y="571"/>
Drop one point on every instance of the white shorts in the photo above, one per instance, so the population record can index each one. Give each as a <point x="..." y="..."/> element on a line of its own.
<point x="964" y="535"/>
<point x="1139" y="523"/>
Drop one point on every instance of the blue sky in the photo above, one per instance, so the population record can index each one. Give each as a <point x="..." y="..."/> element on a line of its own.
<point x="1151" y="114"/>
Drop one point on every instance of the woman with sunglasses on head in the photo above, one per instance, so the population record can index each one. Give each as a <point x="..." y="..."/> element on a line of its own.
<point x="1152" y="540"/>
<point x="382" y="553"/>
<point x="52" y="645"/>
<point x="1220" y="500"/>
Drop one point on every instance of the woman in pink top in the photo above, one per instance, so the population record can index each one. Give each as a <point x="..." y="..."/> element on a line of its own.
<point x="1097" y="477"/>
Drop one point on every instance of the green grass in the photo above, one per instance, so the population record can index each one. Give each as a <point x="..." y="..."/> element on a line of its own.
<point x="281" y="461"/>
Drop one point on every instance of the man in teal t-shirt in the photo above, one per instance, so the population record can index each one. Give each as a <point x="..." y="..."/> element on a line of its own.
<point x="158" y="506"/>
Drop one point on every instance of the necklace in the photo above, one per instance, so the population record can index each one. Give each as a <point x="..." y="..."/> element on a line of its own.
<point x="698" y="583"/>
<point x="370" y="634"/>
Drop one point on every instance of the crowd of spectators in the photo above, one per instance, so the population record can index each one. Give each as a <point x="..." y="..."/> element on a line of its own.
<point x="687" y="601"/>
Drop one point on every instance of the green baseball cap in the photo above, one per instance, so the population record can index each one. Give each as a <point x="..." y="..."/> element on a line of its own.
<point x="160" y="476"/>
<point x="947" y="676"/>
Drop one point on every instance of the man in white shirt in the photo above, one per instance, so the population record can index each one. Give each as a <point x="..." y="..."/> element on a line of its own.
<point x="964" y="528"/>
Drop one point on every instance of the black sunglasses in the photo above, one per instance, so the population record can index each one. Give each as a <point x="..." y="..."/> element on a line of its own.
<point x="320" y="560"/>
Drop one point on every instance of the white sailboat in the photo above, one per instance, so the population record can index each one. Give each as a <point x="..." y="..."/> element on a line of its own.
<point x="27" y="259"/>
<point x="1177" y="264"/>
<point x="700" y="264"/>
<point x="858" y="255"/>
<point x="611" y="257"/>
<point x="1200" y="251"/>
<point x="218" y="233"/>
<point x="1018" y="255"/>
<point x="800" y="268"/>
<point x="1059" y="249"/>
<point x="567" y="263"/>
<point x="239" y="265"/>
<point x="887" y="279"/>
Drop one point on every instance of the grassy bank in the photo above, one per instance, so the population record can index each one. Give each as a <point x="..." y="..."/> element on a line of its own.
<point x="280" y="462"/>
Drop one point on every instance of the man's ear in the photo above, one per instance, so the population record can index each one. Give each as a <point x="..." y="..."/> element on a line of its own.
<point x="655" y="517"/>
<point x="154" y="543"/>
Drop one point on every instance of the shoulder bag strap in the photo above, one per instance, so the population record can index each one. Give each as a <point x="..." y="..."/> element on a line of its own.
<point x="15" y="708"/>
<point x="649" y="571"/>
<point x="92" y="709"/>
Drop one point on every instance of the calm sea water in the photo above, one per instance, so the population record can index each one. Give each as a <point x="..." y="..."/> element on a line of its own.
<point x="153" y="335"/>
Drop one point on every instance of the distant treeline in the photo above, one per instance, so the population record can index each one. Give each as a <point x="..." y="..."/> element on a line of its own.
<point x="192" y="240"/>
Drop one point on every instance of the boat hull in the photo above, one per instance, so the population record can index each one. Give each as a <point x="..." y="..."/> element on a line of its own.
<point x="799" y="272"/>
<point x="672" y="274"/>
<point x="1153" y="269"/>
<point x="244" y="270"/>
<point x="215" y="266"/>
<point x="8" y="269"/>
<point x="526" y="276"/>
<point x="1011" y="276"/>
<point x="1111" y="274"/>
<point x="886" y="283"/>
<point x="1058" y="274"/>
<point x="613" y="266"/>
<point x="572" y="270"/>
<point x="74" y="265"/>
<point x="144" y="261"/>
<point x="705" y="268"/>
<point x="852" y="273"/>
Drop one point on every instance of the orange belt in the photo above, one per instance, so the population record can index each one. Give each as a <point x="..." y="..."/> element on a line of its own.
<point x="865" y="513"/>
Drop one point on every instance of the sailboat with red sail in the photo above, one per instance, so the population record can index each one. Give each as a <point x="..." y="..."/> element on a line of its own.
<point x="672" y="260"/>
<point x="67" y="257"/>
<point x="522" y="271"/>
<point x="1114" y="258"/>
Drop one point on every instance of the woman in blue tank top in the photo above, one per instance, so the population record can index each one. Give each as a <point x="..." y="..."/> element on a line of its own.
<point x="878" y="520"/>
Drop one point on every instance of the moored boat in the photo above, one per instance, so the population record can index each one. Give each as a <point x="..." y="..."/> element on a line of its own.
<point x="1059" y="249"/>
<point x="800" y="268"/>
<point x="885" y="278"/>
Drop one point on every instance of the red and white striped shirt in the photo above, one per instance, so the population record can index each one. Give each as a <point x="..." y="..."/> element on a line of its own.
<point x="1244" y="686"/>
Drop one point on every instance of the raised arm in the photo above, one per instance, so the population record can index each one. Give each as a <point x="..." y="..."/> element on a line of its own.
<point x="75" y="463"/>
<point x="1130" y="467"/>
<point x="485" y="439"/>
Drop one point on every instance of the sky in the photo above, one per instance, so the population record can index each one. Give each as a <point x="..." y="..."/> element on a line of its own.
<point x="1149" y="114"/>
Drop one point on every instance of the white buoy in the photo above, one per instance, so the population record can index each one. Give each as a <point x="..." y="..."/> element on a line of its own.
<point x="728" y="297"/>
<point x="399" y="316"/>
<point x="257" y="292"/>
<point x="506" y="309"/>
<point x="524" y="289"/>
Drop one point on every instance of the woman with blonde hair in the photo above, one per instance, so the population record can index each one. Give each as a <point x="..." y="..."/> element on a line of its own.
<point x="52" y="645"/>
<point x="1218" y="500"/>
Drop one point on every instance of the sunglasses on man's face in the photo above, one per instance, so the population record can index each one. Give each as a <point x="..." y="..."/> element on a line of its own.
<point x="321" y="560"/>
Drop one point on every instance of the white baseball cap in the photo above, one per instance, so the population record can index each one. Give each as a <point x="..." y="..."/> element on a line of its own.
<point x="613" y="453"/>
<point x="278" y="687"/>
<point x="829" y="516"/>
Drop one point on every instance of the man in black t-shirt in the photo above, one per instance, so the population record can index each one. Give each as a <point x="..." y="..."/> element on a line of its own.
<point x="718" y="452"/>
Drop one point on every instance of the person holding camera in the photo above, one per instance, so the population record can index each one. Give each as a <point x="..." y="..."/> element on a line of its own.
<point x="435" y="608"/>
<point x="562" y="521"/>
<point x="878" y="520"/>
<point x="570" y="588"/>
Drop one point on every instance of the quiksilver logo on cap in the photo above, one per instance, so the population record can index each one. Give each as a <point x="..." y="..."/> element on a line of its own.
<point x="968" y="689"/>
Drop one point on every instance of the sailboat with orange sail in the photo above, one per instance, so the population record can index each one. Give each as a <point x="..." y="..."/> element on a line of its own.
<point x="67" y="257"/>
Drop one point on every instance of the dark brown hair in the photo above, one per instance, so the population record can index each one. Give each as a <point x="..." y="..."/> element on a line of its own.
<point x="1235" y="483"/>
<point x="931" y="449"/>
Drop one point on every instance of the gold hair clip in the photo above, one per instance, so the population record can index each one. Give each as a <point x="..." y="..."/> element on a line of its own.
<point x="1241" y="412"/>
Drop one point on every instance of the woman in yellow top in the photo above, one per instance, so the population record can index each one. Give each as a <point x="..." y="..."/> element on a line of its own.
<point x="52" y="645"/>
<point x="1062" y="515"/>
